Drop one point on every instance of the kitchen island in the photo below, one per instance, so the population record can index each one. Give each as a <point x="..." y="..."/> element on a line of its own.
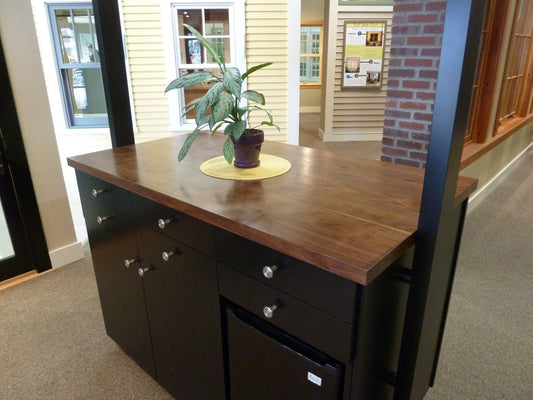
<point x="289" y="287"/>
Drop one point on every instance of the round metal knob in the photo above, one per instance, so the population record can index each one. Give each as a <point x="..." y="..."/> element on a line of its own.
<point x="96" y="192"/>
<point x="269" y="270"/>
<point x="268" y="311"/>
<point x="128" y="263"/>
<point x="101" y="219"/>
<point x="166" y="255"/>
<point x="163" y="222"/>
<point x="143" y="271"/>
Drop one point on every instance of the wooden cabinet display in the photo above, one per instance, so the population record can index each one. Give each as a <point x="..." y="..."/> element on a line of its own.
<point x="285" y="287"/>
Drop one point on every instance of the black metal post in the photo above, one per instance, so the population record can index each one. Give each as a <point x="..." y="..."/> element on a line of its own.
<point x="437" y="236"/>
<point x="108" y="31"/>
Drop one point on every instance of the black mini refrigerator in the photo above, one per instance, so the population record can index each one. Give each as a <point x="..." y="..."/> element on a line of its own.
<point x="267" y="364"/>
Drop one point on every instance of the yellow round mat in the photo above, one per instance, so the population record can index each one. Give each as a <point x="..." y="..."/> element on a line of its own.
<point x="269" y="167"/>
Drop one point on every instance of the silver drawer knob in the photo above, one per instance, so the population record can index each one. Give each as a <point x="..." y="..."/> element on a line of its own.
<point x="166" y="255"/>
<point x="269" y="270"/>
<point x="97" y="192"/>
<point x="101" y="219"/>
<point x="163" y="222"/>
<point x="268" y="311"/>
<point x="128" y="263"/>
<point x="143" y="271"/>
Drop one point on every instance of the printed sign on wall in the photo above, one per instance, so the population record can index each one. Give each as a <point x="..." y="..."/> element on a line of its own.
<point x="364" y="43"/>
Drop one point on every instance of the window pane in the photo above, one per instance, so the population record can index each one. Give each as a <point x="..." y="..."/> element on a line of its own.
<point x="86" y="95"/>
<point x="67" y="40"/>
<point x="303" y="69"/>
<point x="221" y="46"/>
<point x="190" y="51"/>
<point x="194" y="91"/>
<point x="189" y="17"/>
<point x="217" y="22"/>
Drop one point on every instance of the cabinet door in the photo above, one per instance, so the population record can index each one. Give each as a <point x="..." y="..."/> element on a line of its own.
<point x="120" y="288"/>
<point x="184" y="312"/>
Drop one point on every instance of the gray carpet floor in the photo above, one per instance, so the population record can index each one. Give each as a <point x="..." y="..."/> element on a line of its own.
<point x="53" y="343"/>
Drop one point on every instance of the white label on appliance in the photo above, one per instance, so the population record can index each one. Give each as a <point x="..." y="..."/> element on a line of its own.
<point x="315" y="379"/>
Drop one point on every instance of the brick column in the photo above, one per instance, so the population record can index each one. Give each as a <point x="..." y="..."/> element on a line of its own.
<point x="415" y="51"/>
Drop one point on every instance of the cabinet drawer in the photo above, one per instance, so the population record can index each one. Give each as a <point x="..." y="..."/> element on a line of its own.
<point x="308" y="324"/>
<point x="319" y="288"/>
<point x="179" y="226"/>
<point x="102" y="192"/>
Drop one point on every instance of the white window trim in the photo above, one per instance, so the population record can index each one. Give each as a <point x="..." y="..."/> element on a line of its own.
<point x="237" y="30"/>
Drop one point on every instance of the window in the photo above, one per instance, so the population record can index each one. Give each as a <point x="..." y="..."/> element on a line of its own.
<point x="214" y="22"/>
<point x="78" y="62"/>
<point x="310" y="55"/>
<point x="502" y="98"/>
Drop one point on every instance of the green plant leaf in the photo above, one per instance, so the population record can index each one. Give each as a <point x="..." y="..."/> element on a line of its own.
<point x="203" y="41"/>
<point x="254" y="96"/>
<point x="207" y="101"/>
<point x="228" y="150"/>
<point x="232" y="82"/>
<point x="268" y="124"/>
<point x="253" y="69"/>
<point x="222" y="107"/>
<point x="235" y="129"/>
<point x="188" y="143"/>
<point x="190" y="79"/>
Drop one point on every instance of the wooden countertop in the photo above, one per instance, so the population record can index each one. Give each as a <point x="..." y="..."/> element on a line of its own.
<point x="352" y="217"/>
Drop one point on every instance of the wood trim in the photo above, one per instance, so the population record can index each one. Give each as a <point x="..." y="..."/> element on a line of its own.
<point x="472" y="151"/>
<point x="524" y="98"/>
<point x="497" y="19"/>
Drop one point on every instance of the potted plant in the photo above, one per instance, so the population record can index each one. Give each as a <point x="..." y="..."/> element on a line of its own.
<point x="225" y="105"/>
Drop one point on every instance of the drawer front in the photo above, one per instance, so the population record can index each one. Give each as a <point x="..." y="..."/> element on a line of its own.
<point x="183" y="228"/>
<point x="319" y="288"/>
<point x="102" y="192"/>
<point x="308" y="324"/>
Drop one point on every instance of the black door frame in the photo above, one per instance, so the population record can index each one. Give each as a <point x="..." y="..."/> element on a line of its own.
<point x="30" y="220"/>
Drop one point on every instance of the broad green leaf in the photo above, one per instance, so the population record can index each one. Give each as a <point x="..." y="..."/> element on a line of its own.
<point x="253" y="69"/>
<point x="222" y="107"/>
<point x="232" y="82"/>
<point x="207" y="101"/>
<point x="268" y="124"/>
<point x="235" y="129"/>
<point x="187" y="144"/>
<point x="190" y="79"/>
<point x="207" y="46"/>
<point x="254" y="96"/>
<point x="228" y="151"/>
<point x="190" y="106"/>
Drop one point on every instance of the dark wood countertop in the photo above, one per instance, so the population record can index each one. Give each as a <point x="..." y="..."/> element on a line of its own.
<point x="352" y="217"/>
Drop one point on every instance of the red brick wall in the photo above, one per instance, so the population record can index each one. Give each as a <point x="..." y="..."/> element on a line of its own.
<point x="415" y="51"/>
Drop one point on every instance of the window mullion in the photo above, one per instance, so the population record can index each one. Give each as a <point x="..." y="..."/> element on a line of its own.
<point x="526" y="94"/>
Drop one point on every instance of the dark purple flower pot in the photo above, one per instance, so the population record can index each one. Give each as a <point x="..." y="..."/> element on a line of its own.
<point x="248" y="148"/>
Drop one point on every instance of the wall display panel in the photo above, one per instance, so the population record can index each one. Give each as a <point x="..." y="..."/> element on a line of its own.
<point x="364" y="43"/>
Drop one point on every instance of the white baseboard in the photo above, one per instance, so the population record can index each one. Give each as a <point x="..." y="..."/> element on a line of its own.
<point x="309" y="109"/>
<point x="67" y="254"/>
<point x="484" y="191"/>
<point x="368" y="137"/>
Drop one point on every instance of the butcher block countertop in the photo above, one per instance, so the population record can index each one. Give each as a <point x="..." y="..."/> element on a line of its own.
<point x="352" y="217"/>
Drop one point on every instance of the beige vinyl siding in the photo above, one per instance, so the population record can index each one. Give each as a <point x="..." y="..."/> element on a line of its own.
<point x="146" y="59"/>
<point x="357" y="114"/>
<point x="267" y="40"/>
